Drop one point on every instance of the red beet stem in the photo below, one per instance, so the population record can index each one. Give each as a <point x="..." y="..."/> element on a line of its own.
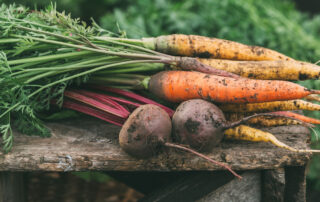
<point x="104" y="99"/>
<point x="96" y="104"/>
<point x="93" y="112"/>
<point x="133" y="96"/>
<point x="123" y="101"/>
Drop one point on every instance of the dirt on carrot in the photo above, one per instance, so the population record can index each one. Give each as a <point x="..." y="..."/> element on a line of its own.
<point x="178" y="86"/>
<point x="247" y="133"/>
<point x="274" y="121"/>
<point x="271" y="106"/>
<point x="312" y="98"/>
<point x="267" y="70"/>
<point x="205" y="47"/>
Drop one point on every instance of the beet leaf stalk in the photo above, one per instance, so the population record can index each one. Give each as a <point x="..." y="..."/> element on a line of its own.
<point x="103" y="106"/>
<point x="80" y="107"/>
<point x="132" y="95"/>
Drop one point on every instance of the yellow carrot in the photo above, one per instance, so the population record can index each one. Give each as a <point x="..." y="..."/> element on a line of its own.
<point x="266" y="121"/>
<point x="267" y="70"/>
<point x="231" y="117"/>
<point x="312" y="97"/>
<point x="271" y="106"/>
<point x="205" y="47"/>
<point x="247" y="133"/>
<point x="234" y="116"/>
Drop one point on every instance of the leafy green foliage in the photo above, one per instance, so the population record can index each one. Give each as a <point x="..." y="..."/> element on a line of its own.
<point x="19" y="104"/>
<point x="274" y="24"/>
<point x="43" y="54"/>
<point x="6" y="131"/>
<point x="79" y="8"/>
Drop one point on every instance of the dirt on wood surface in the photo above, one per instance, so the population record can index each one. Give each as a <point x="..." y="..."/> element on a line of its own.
<point x="66" y="187"/>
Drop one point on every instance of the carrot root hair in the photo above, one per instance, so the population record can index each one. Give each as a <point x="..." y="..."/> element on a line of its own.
<point x="315" y="92"/>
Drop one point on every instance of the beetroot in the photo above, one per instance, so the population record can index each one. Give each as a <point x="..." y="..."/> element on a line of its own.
<point x="200" y="124"/>
<point x="148" y="130"/>
<point x="145" y="131"/>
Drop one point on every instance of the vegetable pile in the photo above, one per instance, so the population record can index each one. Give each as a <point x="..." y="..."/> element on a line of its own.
<point x="49" y="59"/>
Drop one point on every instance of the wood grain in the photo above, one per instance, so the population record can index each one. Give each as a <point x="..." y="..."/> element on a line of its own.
<point x="90" y="144"/>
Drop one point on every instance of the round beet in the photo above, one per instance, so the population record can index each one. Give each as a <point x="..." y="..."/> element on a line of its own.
<point x="199" y="124"/>
<point x="146" y="130"/>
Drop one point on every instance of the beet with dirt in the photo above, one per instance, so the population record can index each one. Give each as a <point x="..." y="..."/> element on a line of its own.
<point x="148" y="130"/>
<point x="199" y="124"/>
<point x="145" y="131"/>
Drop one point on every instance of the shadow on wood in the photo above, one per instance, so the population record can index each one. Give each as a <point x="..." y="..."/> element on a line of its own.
<point x="12" y="187"/>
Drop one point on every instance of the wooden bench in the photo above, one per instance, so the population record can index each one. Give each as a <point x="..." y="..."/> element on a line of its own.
<point x="269" y="173"/>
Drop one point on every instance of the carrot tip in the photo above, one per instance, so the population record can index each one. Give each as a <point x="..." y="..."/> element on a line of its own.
<point x="309" y="151"/>
<point x="315" y="91"/>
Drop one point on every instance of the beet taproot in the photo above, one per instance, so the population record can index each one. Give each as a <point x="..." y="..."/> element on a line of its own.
<point x="145" y="131"/>
<point x="199" y="124"/>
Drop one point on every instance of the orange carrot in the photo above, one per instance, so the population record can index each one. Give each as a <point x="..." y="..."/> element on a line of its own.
<point x="177" y="86"/>
<point x="298" y="117"/>
<point x="200" y="46"/>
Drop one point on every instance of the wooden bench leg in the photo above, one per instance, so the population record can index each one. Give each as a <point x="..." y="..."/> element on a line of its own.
<point x="273" y="185"/>
<point x="295" y="188"/>
<point x="198" y="186"/>
<point x="12" y="187"/>
<point x="244" y="190"/>
<point x="174" y="186"/>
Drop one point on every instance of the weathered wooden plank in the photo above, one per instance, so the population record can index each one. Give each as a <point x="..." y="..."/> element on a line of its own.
<point x="246" y="189"/>
<point x="90" y="144"/>
<point x="12" y="187"/>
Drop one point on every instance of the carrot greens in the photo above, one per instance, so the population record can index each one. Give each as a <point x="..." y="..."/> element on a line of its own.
<point x="44" y="52"/>
<point x="41" y="54"/>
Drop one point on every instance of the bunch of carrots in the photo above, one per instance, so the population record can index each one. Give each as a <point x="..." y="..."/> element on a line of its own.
<point x="47" y="58"/>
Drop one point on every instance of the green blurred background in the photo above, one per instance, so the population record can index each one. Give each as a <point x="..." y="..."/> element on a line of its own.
<point x="291" y="27"/>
